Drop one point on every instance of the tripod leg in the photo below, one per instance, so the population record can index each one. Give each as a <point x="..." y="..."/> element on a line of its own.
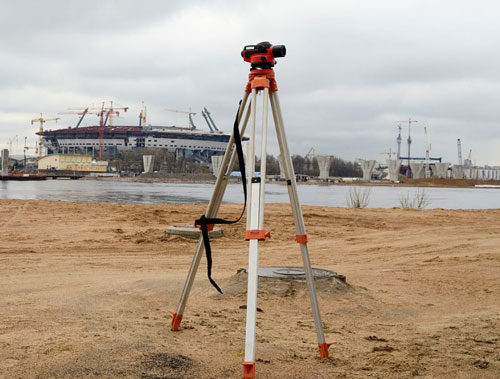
<point x="212" y="209"/>
<point x="300" y="228"/>
<point x="255" y="223"/>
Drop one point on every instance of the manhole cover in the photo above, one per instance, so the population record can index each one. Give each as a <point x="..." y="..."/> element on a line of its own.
<point x="296" y="273"/>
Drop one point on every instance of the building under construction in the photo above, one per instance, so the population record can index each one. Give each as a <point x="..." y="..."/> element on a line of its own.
<point x="106" y="138"/>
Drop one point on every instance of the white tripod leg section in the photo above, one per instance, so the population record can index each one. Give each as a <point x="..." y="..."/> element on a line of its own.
<point x="255" y="233"/>
<point x="299" y="221"/>
<point x="253" y="266"/>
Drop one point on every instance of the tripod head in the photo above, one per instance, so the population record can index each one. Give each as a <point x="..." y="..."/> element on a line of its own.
<point x="262" y="54"/>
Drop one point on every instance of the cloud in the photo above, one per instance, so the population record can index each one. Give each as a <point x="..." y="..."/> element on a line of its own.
<point x="352" y="68"/>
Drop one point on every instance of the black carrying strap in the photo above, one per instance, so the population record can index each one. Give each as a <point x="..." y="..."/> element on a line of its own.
<point x="204" y="221"/>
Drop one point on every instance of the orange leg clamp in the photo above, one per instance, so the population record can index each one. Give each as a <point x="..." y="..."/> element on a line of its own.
<point x="257" y="234"/>
<point x="210" y="227"/>
<point x="248" y="370"/>
<point x="323" y="349"/>
<point x="176" y="321"/>
<point x="301" y="238"/>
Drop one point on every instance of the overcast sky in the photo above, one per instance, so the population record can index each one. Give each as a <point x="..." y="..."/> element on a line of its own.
<point x="352" y="70"/>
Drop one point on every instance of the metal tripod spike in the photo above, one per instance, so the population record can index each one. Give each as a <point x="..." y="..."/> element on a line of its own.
<point x="259" y="80"/>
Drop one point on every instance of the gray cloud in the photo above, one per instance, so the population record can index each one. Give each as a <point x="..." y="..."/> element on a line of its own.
<point x="352" y="69"/>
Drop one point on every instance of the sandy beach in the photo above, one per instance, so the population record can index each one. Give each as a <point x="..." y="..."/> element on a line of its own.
<point x="87" y="287"/>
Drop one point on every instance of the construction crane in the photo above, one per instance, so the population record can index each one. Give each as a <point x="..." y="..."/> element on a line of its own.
<point x="311" y="154"/>
<point x="142" y="115"/>
<point x="410" y="121"/>
<point x="427" y="154"/>
<point x="389" y="153"/>
<point x="26" y="147"/>
<point x="211" y="124"/>
<point x="105" y="114"/>
<point x="108" y="111"/>
<point x="81" y="113"/>
<point x="10" y="143"/>
<point x="399" y="139"/>
<point x="42" y="121"/>
<point x="459" y="148"/>
<point x="189" y="113"/>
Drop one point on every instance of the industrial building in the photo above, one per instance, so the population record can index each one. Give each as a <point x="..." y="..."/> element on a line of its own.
<point x="71" y="162"/>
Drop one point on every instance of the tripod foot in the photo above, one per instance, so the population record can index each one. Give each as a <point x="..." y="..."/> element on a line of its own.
<point x="248" y="370"/>
<point x="323" y="349"/>
<point x="176" y="321"/>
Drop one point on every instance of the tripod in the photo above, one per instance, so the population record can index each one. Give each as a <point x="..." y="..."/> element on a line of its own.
<point x="260" y="80"/>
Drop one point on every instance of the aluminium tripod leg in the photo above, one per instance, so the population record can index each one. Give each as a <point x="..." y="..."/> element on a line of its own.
<point x="212" y="209"/>
<point x="300" y="228"/>
<point x="255" y="233"/>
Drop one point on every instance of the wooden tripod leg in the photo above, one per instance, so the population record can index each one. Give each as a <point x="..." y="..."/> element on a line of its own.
<point x="227" y="165"/>
<point x="301" y="236"/>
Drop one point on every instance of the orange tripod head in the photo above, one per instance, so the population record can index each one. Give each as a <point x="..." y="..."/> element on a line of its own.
<point x="262" y="54"/>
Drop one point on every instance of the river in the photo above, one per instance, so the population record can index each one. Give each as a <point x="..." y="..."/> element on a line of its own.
<point x="322" y="195"/>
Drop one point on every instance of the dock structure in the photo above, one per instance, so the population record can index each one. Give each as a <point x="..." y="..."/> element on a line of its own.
<point x="367" y="166"/>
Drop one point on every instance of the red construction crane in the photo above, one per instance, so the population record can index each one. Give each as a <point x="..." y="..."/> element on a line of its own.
<point x="105" y="114"/>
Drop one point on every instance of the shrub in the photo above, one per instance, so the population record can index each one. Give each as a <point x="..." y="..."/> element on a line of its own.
<point x="358" y="198"/>
<point x="420" y="200"/>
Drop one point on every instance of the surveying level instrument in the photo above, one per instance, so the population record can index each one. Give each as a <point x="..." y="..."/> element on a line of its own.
<point x="261" y="79"/>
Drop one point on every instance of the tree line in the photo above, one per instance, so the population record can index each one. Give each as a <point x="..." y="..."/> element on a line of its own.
<point x="171" y="162"/>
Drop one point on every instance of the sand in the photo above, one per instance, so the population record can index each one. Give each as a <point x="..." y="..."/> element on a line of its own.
<point x="86" y="289"/>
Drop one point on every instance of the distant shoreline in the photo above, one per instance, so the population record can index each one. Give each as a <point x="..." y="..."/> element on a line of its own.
<point x="431" y="182"/>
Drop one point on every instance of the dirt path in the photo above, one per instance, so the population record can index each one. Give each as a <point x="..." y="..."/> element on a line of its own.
<point x="86" y="290"/>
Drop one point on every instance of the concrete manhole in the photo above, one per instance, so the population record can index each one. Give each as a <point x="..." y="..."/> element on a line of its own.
<point x="296" y="273"/>
<point x="285" y="281"/>
<point x="190" y="231"/>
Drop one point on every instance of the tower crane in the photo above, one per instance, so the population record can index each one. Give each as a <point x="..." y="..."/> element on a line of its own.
<point x="427" y="154"/>
<point x="142" y="115"/>
<point x="26" y="147"/>
<point x="81" y="113"/>
<point x="42" y="121"/>
<point x="399" y="139"/>
<point x="389" y="153"/>
<point x="189" y="113"/>
<point x="459" y="148"/>
<point x="310" y="154"/>
<point x="105" y="113"/>
<point x="410" y="121"/>
<point x="10" y="143"/>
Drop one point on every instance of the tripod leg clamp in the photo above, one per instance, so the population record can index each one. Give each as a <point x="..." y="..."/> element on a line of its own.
<point x="176" y="320"/>
<point x="301" y="238"/>
<point x="210" y="227"/>
<point x="248" y="370"/>
<point x="323" y="349"/>
<point x="257" y="234"/>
